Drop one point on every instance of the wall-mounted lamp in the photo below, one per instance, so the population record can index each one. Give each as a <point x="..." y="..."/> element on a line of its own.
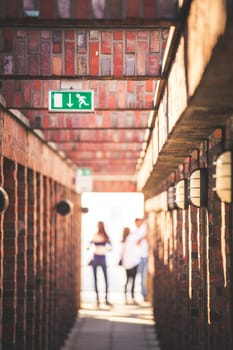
<point x="171" y="193"/>
<point x="223" y="177"/>
<point x="84" y="210"/>
<point x="198" y="187"/>
<point x="64" y="207"/>
<point x="181" y="194"/>
<point x="4" y="200"/>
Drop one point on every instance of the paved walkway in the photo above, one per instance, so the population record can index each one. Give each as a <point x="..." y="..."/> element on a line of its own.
<point x="119" y="327"/>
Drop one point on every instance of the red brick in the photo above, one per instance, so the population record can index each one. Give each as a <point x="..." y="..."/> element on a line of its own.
<point x="142" y="35"/>
<point x="149" y="8"/>
<point x="102" y="95"/>
<point x="33" y="42"/>
<point x="129" y="65"/>
<point x="12" y="8"/>
<point x="142" y="50"/>
<point x="121" y="94"/>
<point x="118" y="59"/>
<point x="154" y="65"/>
<point x="115" y="9"/>
<point x="17" y="100"/>
<point x="69" y="58"/>
<point x="46" y="10"/>
<point x="20" y="58"/>
<point x="55" y="84"/>
<point x="45" y="88"/>
<point x="94" y="58"/>
<point x="8" y="35"/>
<point x="167" y="8"/>
<point x="57" y="42"/>
<point x="33" y="65"/>
<point x="37" y="85"/>
<point x="27" y="92"/>
<point x="148" y="101"/>
<point x="112" y="100"/>
<point x="81" y="9"/>
<point x="37" y="99"/>
<point x="81" y="65"/>
<point x="57" y="65"/>
<point x="69" y="35"/>
<point x="155" y="41"/>
<point x="130" y="42"/>
<point x="45" y="121"/>
<point x="63" y="9"/>
<point x="82" y="42"/>
<point x="21" y="34"/>
<point x="106" y="42"/>
<point x="45" y="58"/>
<point x="149" y="86"/>
<point x="66" y="122"/>
<point x="45" y="34"/>
<point x="118" y="35"/>
<point x="106" y="65"/>
<point x="94" y="84"/>
<point x="130" y="86"/>
<point x="139" y="95"/>
<point x="18" y="85"/>
<point x="57" y="48"/>
<point x="132" y="9"/>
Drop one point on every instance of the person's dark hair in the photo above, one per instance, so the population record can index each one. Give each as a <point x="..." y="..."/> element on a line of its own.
<point x="138" y="219"/>
<point x="126" y="232"/>
<point x="101" y="229"/>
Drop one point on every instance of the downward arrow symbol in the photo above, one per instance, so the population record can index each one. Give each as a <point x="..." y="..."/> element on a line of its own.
<point x="69" y="104"/>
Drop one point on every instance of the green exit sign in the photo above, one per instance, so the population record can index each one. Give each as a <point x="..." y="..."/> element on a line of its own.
<point x="71" y="101"/>
<point x="84" y="172"/>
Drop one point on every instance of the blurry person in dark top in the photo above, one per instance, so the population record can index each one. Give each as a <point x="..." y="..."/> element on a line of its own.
<point x="101" y="244"/>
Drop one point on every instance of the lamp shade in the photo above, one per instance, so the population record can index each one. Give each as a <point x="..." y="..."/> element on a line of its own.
<point x="4" y="200"/>
<point x="171" y="192"/>
<point x="223" y="177"/>
<point x="198" y="187"/>
<point x="181" y="194"/>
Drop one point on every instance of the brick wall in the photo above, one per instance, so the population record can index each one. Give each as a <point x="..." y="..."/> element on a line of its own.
<point x="22" y="146"/>
<point x="81" y="52"/>
<point x="21" y="258"/>
<point x="192" y="254"/>
<point x="10" y="252"/>
<point x="86" y="10"/>
<point x="40" y="249"/>
<point x="31" y="97"/>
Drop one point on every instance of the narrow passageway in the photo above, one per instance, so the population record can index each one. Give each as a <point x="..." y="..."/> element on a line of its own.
<point x="120" y="327"/>
<point x="116" y="327"/>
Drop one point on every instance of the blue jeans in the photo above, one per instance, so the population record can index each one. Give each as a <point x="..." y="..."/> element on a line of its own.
<point x="143" y="269"/>
<point x="99" y="260"/>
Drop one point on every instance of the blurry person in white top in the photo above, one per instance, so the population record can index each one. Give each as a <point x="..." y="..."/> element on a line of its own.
<point x="130" y="260"/>
<point x="141" y="234"/>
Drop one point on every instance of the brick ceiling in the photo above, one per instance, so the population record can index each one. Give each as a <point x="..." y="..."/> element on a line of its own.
<point x="113" y="48"/>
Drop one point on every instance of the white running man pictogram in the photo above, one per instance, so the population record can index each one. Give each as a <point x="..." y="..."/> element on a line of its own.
<point x="81" y="100"/>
